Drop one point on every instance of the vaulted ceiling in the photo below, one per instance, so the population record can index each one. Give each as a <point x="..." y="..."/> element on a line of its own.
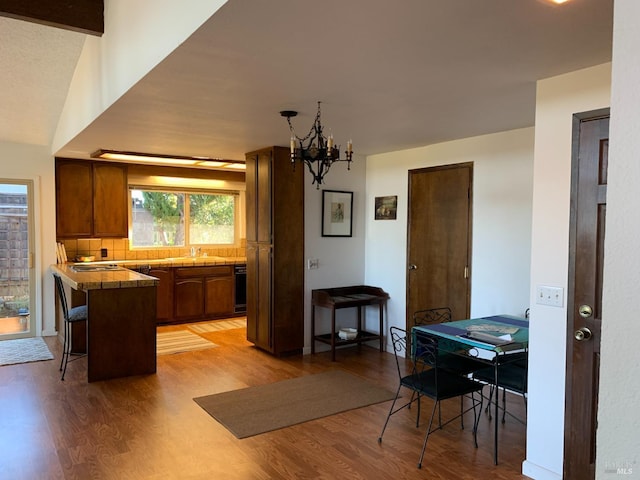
<point x="391" y="75"/>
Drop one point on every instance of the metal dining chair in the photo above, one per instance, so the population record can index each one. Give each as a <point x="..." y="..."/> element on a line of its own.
<point x="71" y="316"/>
<point x="425" y="379"/>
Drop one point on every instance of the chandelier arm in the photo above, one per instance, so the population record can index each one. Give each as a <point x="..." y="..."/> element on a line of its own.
<point x="320" y="152"/>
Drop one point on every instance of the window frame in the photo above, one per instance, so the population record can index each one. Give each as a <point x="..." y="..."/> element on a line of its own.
<point x="186" y="212"/>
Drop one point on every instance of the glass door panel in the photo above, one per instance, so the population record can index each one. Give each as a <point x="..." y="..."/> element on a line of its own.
<point x="15" y="259"/>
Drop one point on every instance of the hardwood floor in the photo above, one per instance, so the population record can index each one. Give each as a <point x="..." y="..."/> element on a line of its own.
<point x="149" y="427"/>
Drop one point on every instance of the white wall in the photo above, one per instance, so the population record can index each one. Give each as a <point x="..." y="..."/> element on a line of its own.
<point x="341" y="259"/>
<point x="31" y="162"/>
<point x="558" y="99"/>
<point x="137" y="36"/>
<point x="502" y="192"/>
<point x="618" y="444"/>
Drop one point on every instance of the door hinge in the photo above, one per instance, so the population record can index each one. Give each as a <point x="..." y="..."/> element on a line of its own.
<point x="466" y="272"/>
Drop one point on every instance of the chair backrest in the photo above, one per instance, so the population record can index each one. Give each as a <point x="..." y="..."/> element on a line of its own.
<point x="61" y="295"/>
<point x="431" y="316"/>
<point x="424" y="354"/>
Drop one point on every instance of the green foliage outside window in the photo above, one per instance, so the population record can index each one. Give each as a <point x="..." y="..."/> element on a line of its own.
<point x="179" y="219"/>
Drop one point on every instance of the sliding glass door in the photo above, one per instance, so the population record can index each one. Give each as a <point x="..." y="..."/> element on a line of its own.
<point x="16" y="259"/>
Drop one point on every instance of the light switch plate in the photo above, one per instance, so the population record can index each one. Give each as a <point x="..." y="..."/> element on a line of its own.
<point x="552" y="296"/>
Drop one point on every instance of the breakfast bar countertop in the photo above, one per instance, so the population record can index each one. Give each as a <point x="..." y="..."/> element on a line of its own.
<point x="93" y="280"/>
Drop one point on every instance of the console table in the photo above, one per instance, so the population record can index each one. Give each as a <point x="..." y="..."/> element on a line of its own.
<point x="358" y="296"/>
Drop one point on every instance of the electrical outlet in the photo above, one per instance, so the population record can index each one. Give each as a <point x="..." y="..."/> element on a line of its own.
<point x="104" y="253"/>
<point x="552" y="296"/>
<point x="312" y="263"/>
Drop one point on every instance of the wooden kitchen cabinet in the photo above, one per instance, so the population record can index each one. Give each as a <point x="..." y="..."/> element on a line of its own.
<point x="74" y="198"/>
<point x="275" y="251"/>
<point x="164" y="302"/>
<point x="91" y="199"/>
<point x="110" y="200"/>
<point x="218" y="300"/>
<point x="189" y="298"/>
<point x="203" y="292"/>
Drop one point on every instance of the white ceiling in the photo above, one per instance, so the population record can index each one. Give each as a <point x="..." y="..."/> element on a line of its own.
<point x="391" y="75"/>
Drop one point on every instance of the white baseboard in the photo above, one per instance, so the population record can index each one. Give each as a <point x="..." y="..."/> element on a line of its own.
<point x="539" y="473"/>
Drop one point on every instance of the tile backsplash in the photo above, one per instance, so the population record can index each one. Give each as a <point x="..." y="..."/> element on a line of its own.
<point x="118" y="249"/>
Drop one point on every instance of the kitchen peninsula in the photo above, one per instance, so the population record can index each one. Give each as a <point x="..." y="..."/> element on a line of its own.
<point x="121" y="327"/>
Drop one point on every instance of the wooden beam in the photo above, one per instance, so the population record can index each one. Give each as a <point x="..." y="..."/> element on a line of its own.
<point x="84" y="16"/>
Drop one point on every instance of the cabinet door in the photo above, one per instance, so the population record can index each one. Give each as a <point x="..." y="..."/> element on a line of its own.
<point x="164" y="308"/>
<point x="74" y="186"/>
<point x="251" y="193"/>
<point x="252" y="291"/>
<point x="264" y="197"/>
<point x="110" y="200"/>
<point x="218" y="298"/>
<point x="264" y="323"/>
<point x="189" y="298"/>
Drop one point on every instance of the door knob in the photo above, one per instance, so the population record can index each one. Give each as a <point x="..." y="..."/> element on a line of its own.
<point x="413" y="267"/>
<point x="582" y="334"/>
<point x="585" y="311"/>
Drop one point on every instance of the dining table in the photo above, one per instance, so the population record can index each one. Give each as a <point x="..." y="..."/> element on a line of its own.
<point x="496" y="336"/>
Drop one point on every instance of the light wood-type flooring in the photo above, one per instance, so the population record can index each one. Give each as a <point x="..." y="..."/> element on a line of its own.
<point x="149" y="427"/>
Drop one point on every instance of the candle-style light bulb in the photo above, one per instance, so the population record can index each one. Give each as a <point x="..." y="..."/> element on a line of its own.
<point x="330" y="142"/>
<point x="293" y="144"/>
<point x="349" y="146"/>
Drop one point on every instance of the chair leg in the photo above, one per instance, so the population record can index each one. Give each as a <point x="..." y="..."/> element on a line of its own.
<point x="504" y="404"/>
<point x="476" y="416"/>
<point x="64" y="344"/>
<point x="426" y="437"/>
<point x="390" y="413"/>
<point x="67" y="348"/>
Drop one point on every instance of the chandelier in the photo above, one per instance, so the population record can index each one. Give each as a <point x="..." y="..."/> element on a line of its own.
<point x="316" y="151"/>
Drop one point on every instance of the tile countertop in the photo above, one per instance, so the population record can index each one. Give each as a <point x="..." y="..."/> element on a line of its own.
<point x="120" y="278"/>
<point x="181" y="262"/>
<point x="124" y="278"/>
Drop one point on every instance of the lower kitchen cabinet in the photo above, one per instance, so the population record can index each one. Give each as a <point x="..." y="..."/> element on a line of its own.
<point x="203" y="292"/>
<point x="189" y="298"/>
<point x="218" y="298"/>
<point x="164" y="301"/>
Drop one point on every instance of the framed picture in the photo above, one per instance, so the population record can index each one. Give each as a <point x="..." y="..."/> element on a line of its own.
<point x="336" y="213"/>
<point x="386" y="207"/>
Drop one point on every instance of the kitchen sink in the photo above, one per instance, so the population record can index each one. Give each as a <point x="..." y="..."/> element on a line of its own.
<point x="94" y="268"/>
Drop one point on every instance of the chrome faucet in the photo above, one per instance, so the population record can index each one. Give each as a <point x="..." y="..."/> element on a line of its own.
<point x="195" y="251"/>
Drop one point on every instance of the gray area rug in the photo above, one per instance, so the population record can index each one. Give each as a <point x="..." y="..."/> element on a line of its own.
<point x="24" y="350"/>
<point x="255" y="410"/>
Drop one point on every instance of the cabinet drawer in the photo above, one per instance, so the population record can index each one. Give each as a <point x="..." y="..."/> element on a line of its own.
<point x="217" y="271"/>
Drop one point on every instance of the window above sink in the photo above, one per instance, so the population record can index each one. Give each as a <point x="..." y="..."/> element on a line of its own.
<point x="165" y="217"/>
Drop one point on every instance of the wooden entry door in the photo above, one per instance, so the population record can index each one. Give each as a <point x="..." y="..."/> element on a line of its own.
<point x="439" y="240"/>
<point x="584" y="306"/>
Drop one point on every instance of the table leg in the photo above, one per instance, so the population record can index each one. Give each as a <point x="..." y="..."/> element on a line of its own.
<point x="313" y="329"/>
<point x="381" y="330"/>
<point x="495" y="420"/>
<point x="333" y="334"/>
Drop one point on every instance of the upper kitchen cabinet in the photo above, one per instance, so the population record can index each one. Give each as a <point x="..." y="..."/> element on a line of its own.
<point x="91" y="199"/>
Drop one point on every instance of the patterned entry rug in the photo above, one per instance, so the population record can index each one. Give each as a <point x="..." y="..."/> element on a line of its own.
<point x="180" y="341"/>
<point x="219" y="325"/>
<point x="24" y="350"/>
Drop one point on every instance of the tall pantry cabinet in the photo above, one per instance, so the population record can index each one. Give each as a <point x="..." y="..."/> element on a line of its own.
<point x="275" y="251"/>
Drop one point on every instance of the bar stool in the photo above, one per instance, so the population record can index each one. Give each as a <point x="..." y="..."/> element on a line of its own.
<point x="73" y="315"/>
